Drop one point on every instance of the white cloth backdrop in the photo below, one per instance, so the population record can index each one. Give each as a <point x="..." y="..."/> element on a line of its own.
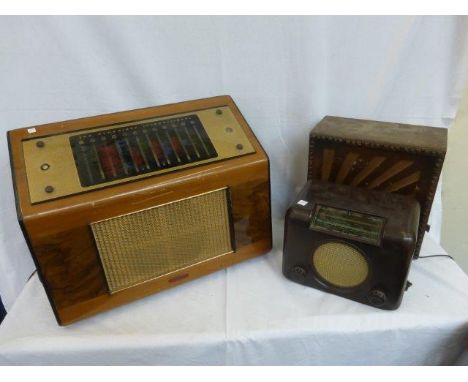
<point x="249" y="314"/>
<point x="285" y="73"/>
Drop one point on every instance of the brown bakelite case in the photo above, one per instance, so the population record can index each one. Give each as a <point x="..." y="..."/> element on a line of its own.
<point x="118" y="206"/>
<point x="352" y="242"/>
<point x="393" y="157"/>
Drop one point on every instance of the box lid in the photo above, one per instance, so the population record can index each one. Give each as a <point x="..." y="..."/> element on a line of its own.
<point x="387" y="134"/>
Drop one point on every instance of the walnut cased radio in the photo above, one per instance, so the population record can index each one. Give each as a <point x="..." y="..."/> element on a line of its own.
<point x="392" y="157"/>
<point x="119" y="206"/>
<point x="353" y="242"/>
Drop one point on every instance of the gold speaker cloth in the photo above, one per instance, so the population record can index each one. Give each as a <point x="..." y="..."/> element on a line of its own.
<point x="143" y="245"/>
<point x="340" y="265"/>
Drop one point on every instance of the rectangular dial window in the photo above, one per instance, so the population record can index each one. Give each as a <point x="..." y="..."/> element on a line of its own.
<point x="349" y="224"/>
<point x="120" y="153"/>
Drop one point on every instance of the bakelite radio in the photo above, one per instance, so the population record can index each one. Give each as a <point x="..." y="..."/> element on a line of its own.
<point x="363" y="213"/>
<point x="353" y="242"/>
<point x="118" y="206"/>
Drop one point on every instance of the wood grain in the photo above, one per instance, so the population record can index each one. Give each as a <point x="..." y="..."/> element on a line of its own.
<point x="61" y="240"/>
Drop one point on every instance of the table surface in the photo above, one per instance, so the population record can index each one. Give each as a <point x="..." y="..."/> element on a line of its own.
<point x="249" y="314"/>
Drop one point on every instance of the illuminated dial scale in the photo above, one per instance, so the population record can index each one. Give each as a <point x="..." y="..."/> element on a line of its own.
<point x="121" y="153"/>
<point x="83" y="160"/>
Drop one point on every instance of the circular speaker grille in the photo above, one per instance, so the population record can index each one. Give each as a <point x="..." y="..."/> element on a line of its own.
<point x="340" y="265"/>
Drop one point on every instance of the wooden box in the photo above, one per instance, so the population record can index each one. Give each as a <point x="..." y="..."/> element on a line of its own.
<point x="393" y="157"/>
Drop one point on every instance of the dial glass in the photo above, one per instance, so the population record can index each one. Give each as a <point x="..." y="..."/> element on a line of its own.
<point x="104" y="156"/>
<point x="350" y="224"/>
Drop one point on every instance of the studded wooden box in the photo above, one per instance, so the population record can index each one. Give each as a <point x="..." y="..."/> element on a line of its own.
<point x="393" y="157"/>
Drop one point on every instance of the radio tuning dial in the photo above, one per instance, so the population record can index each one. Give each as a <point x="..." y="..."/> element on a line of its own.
<point x="377" y="297"/>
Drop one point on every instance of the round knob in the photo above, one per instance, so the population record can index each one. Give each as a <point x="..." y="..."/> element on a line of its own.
<point x="298" y="273"/>
<point x="377" y="297"/>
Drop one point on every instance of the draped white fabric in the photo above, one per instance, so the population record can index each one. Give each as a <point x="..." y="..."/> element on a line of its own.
<point x="285" y="73"/>
<point x="249" y="314"/>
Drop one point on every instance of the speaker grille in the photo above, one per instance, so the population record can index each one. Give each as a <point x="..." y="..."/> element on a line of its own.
<point x="340" y="265"/>
<point x="143" y="245"/>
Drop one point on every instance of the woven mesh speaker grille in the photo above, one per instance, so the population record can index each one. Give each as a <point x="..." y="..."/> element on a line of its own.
<point x="340" y="265"/>
<point x="143" y="245"/>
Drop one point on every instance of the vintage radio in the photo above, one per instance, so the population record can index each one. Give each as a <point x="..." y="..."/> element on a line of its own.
<point x="353" y="242"/>
<point x="392" y="157"/>
<point x="118" y="206"/>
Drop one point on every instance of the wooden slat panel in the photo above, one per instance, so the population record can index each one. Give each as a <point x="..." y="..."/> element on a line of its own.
<point x="373" y="164"/>
<point x="410" y="179"/>
<point x="391" y="172"/>
<point x="327" y="162"/>
<point x="346" y="167"/>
